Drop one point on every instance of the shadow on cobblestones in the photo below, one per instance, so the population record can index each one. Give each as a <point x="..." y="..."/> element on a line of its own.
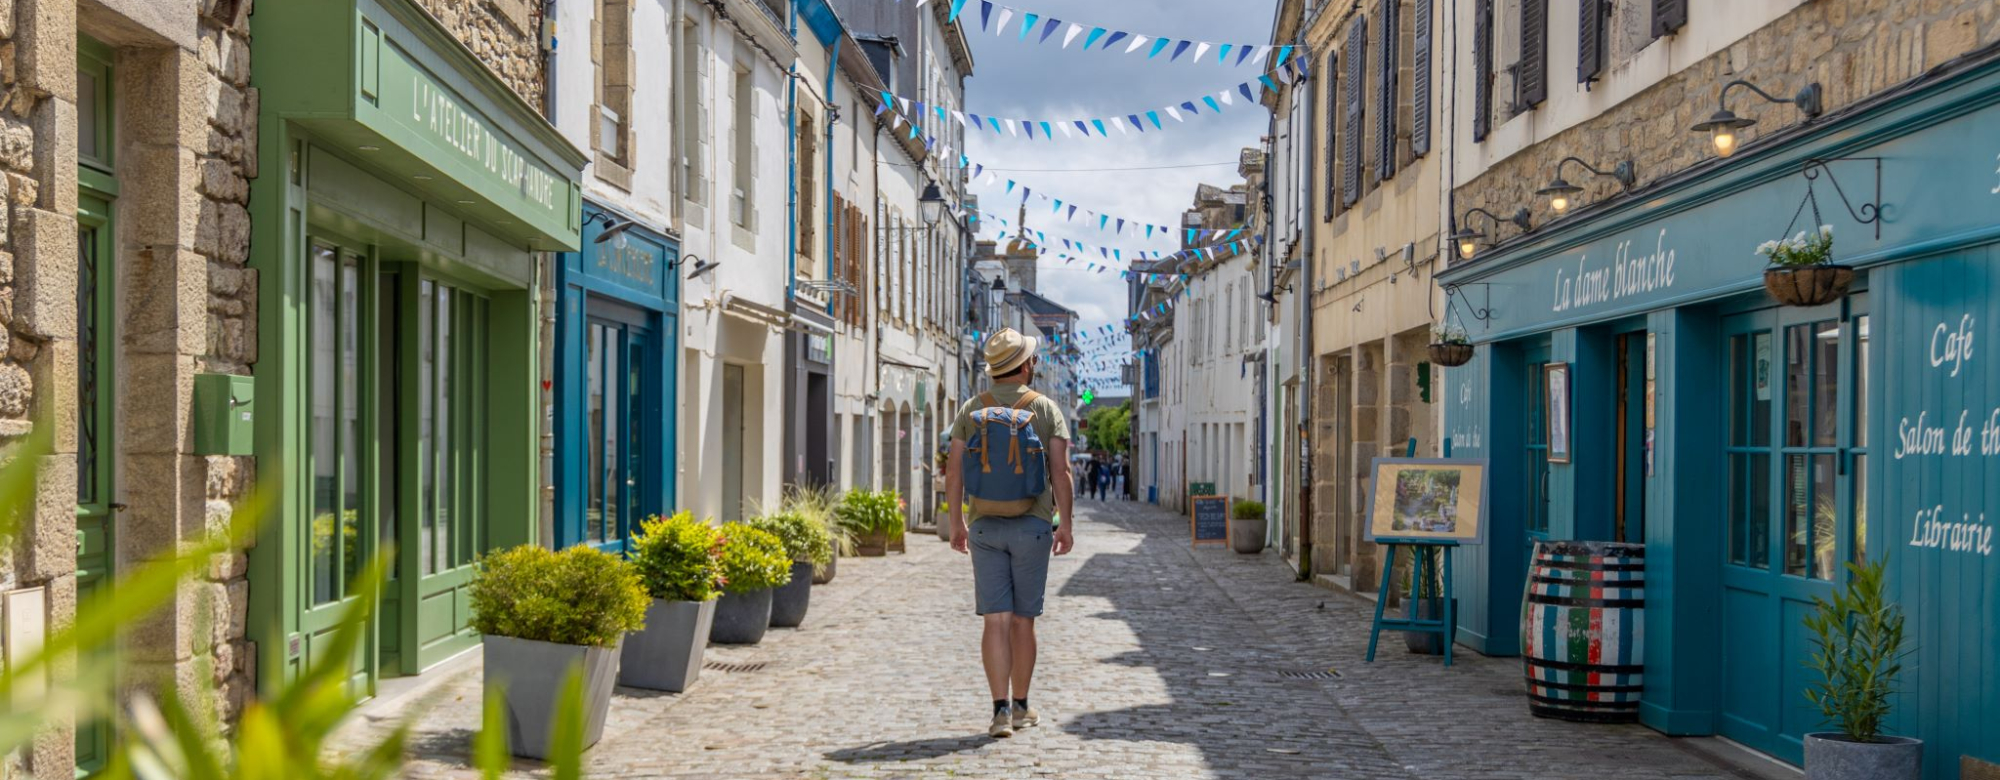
<point x="916" y="749"/>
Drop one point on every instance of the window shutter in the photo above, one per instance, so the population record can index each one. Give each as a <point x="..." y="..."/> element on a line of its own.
<point x="1482" y="69"/>
<point x="1668" y="16"/>
<point x="1531" y="74"/>
<point x="1420" y="80"/>
<point x="1590" y="33"/>
<point x="1356" y="90"/>
<point x="1385" y="90"/>
<point x="1332" y="149"/>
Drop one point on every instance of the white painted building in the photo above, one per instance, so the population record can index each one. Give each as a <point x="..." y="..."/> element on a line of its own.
<point x="1222" y="332"/>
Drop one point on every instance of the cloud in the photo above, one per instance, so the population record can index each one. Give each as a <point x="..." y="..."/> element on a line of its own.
<point x="1019" y="79"/>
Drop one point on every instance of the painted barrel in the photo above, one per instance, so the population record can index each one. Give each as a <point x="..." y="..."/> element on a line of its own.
<point x="1583" y="631"/>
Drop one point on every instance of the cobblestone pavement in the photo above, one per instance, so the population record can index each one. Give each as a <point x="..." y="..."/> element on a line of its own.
<point x="1157" y="661"/>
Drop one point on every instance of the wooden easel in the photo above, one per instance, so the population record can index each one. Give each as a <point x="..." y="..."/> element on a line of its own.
<point x="1420" y="569"/>
<point x="1420" y="573"/>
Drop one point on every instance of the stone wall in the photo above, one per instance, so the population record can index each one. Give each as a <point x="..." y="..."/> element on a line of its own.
<point x="503" y="34"/>
<point x="1853" y="48"/>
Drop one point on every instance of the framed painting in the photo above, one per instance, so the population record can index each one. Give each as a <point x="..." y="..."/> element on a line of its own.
<point x="1441" y="499"/>
<point x="1555" y="387"/>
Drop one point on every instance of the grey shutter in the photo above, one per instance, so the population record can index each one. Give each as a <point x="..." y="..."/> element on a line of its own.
<point x="1332" y="149"/>
<point x="1385" y="91"/>
<point x="1590" y="31"/>
<point x="1531" y="74"/>
<point x="1355" y="91"/>
<point x="1420" y="80"/>
<point x="1668" y="16"/>
<point x="1482" y="69"/>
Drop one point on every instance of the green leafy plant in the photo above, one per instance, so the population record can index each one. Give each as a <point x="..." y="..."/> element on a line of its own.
<point x="1804" y="249"/>
<point x="805" y="539"/>
<point x="816" y="503"/>
<point x="1247" y="509"/>
<point x="579" y="596"/>
<point x="1110" y="430"/>
<point x="869" y="512"/>
<point x="1857" y="642"/>
<point x="675" y="558"/>
<point x="752" y="559"/>
<point x="1442" y="333"/>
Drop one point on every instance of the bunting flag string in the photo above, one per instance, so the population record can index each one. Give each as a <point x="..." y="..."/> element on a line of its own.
<point x="1161" y="118"/>
<point x="1041" y="29"/>
<point x="1226" y="239"/>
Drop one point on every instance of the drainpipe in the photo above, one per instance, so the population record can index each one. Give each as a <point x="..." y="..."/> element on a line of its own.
<point x="679" y="81"/>
<point x="1308" y="378"/>
<point x="832" y="74"/>
<point x="791" y="156"/>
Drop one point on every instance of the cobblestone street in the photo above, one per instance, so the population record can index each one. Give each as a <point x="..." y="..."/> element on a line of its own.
<point x="1157" y="661"/>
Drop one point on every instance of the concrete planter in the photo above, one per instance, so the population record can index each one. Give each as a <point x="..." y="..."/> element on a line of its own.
<point x="790" y="600"/>
<point x="825" y="574"/>
<point x="1832" y="756"/>
<point x="1247" y="536"/>
<point x="666" y="655"/>
<point x="741" y="618"/>
<point x="530" y="674"/>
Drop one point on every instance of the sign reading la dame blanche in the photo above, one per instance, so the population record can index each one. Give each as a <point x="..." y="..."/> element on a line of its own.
<point x="1625" y="274"/>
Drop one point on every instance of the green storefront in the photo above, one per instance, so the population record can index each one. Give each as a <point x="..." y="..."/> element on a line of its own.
<point x="405" y="199"/>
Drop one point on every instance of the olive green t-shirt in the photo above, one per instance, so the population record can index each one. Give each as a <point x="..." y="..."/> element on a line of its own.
<point x="1048" y="422"/>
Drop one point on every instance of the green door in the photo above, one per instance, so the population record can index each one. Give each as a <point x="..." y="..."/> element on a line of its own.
<point x="445" y="362"/>
<point x="1794" y="463"/>
<point x="342" y="476"/>
<point x="95" y="464"/>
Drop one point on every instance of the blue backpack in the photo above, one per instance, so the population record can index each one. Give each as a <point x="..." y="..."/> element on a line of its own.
<point x="1005" y="467"/>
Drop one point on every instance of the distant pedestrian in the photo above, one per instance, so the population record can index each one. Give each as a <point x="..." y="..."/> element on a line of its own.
<point x="1103" y="481"/>
<point x="1014" y="504"/>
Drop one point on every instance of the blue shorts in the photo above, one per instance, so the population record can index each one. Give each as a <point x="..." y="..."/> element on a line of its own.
<point x="1010" y="563"/>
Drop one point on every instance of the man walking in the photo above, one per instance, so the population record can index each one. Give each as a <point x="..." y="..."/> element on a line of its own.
<point x="1015" y="525"/>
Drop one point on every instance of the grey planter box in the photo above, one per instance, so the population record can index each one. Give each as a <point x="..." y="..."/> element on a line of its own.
<point x="1247" y="536"/>
<point x="530" y="674"/>
<point x="1829" y="756"/>
<point x="789" y="601"/>
<point x="666" y="655"/>
<point x="741" y="618"/>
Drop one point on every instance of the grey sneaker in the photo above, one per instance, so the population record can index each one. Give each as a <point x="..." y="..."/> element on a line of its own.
<point x="1025" y="717"/>
<point x="1003" y="726"/>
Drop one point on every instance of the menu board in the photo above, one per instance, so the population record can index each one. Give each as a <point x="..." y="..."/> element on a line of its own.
<point x="1209" y="518"/>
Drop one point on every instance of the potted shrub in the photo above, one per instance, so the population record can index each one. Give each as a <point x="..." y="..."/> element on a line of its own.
<point x="874" y="517"/>
<point x="1450" y="346"/>
<point x="544" y="614"/>
<point x="1858" y="651"/>
<point x="816" y="504"/>
<point x="1246" y="532"/>
<point x="1803" y="272"/>
<point x="676" y="561"/>
<point x="807" y="545"/>
<point x="753" y="563"/>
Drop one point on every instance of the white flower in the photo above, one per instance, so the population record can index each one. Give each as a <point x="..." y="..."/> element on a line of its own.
<point x="1826" y="231"/>
<point x="1767" y="247"/>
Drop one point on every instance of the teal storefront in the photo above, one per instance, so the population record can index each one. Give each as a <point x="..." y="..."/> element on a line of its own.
<point x="617" y="329"/>
<point x="1754" y="448"/>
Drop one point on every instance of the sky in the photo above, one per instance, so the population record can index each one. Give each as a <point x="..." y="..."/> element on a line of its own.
<point x="1018" y="79"/>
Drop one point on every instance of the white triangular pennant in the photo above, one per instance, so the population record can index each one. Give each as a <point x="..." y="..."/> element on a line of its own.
<point x="1137" y="41"/>
<point x="1005" y="14"/>
<point x="1262" y="52"/>
<point x="1071" y="35"/>
<point x="1226" y="99"/>
<point x="960" y="116"/>
<point x="1199" y="49"/>
<point x="1175" y="113"/>
<point x="1067" y="132"/>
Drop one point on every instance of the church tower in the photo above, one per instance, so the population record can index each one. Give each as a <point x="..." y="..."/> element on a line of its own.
<point x="1021" y="255"/>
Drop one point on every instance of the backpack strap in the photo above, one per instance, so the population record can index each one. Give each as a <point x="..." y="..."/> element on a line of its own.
<point x="988" y="399"/>
<point x="1027" y="397"/>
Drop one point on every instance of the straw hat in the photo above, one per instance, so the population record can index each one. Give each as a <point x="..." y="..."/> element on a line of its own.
<point x="1007" y="349"/>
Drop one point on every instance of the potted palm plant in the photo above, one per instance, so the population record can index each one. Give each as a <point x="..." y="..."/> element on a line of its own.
<point x="753" y="563"/>
<point x="1857" y="640"/>
<point x="808" y="546"/>
<point x="1450" y="346"/>
<point x="676" y="561"/>
<point x="1803" y="272"/>
<point x="545" y="613"/>
<point x="1246" y="532"/>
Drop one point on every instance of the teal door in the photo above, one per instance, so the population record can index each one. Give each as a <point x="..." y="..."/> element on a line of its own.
<point x="621" y="398"/>
<point x="1535" y="515"/>
<point x="1794" y="464"/>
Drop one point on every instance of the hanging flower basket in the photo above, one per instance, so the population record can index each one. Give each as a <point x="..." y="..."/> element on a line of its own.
<point x="1451" y="354"/>
<point x="1803" y="272"/>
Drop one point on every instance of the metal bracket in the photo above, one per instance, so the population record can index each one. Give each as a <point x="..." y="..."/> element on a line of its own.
<point x="1869" y="212"/>
<point x="1454" y="293"/>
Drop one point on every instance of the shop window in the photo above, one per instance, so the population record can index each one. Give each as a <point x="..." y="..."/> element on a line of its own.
<point x="1812" y="398"/>
<point x="333" y="371"/>
<point x="1750" y="384"/>
<point x="1538" y="451"/>
<point x="451" y="443"/>
<point x="1860" y="449"/>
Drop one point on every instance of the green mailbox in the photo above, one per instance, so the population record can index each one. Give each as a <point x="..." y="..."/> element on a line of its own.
<point x="224" y="414"/>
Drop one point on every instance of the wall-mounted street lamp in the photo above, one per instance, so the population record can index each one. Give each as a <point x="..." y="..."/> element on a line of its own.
<point x="1467" y="240"/>
<point x="932" y="204"/>
<point x="1722" y="126"/>
<point x="614" y="228"/>
<point x="1562" y="194"/>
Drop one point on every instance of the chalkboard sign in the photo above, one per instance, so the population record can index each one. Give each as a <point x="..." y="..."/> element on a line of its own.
<point x="1208" y="516"/>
